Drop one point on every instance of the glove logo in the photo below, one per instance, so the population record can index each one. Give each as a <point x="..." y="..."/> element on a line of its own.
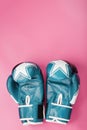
<point x="22" y="69"/>
<point x="59" y="65"/>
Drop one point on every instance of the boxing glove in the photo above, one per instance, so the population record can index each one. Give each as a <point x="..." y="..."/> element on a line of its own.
<point x="25" y="86"/>
<point x="62" y="90"/>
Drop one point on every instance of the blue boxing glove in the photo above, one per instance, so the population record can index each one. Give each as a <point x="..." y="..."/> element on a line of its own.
<point x="62" y="91"/>
<point x="25" y="85"/>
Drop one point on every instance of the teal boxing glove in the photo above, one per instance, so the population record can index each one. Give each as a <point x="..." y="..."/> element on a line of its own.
<point x="62" y="91"/>
<point x="25" y="86"/>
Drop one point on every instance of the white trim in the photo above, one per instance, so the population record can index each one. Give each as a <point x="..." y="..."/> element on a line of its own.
<point x="32" y="123"/>
<point x="13" y="99"/>
<point x="36" y="123"/>
<point x="58" y="118"/>
<point x="74" y="98"/>
<point x="26" y="123"/>
<point x="52" y="121"/>
<point x="25" y="105"/>
<point x="27" y="100"/>
<point x="55" y="104"/>
<point x="59" y="100"/>
<point x="22" y="119"/>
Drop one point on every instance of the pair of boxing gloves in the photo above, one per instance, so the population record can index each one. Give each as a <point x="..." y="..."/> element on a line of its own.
<point x="26" y="87"/>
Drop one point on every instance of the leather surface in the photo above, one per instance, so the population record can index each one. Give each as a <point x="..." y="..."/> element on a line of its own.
<point x="62" y="89"/>
<point x="26" y="87"/>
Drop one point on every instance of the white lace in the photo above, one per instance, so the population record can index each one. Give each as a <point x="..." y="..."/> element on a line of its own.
<point x="59" y="100"/>
<point x="27" y="102"/>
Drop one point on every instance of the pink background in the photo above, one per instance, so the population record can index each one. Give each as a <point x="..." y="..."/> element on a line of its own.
<point x="41" y="31"/>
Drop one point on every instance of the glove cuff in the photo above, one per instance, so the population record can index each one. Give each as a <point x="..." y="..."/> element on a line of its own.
<point x="31" y="114"/>
<point x="58" y="113"/>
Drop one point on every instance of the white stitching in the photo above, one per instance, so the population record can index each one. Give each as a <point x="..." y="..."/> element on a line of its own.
<point x="22" y="119"/>
<point x="55" y="104"/>
<point x="58" y="118"/>
<point x="25" y="106"/>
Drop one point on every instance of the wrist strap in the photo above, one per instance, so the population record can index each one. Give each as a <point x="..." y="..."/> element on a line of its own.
<point x="58" y="112"/>
<point x="31" y="113"/>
